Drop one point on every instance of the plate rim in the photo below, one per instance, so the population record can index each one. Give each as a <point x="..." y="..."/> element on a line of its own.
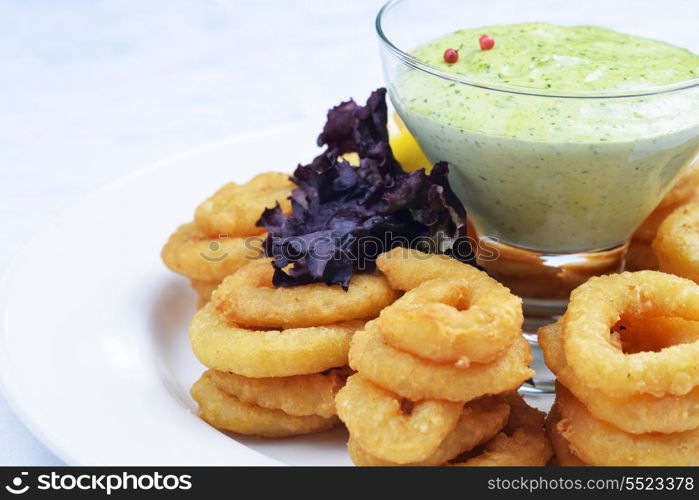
<point x="8" y="387"/>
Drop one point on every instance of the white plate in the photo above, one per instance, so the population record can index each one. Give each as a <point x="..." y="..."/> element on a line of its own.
<point x="94" y="353"/>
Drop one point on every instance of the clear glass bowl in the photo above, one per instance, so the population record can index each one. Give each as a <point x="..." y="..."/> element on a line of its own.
<point x="593" y="164"/>
<point x="559" y="203"/>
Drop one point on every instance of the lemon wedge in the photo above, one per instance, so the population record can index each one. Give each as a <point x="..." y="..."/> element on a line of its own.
<point x="405" y="148"/>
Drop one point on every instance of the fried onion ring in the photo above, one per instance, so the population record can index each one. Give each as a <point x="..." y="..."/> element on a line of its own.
<point x="561" y="449"/>
<point x="454" y="320"/>
<point x="637" y="413"/>
<point x="390" y="428"/>
<point x="677" y="242"/>
<point x="235" y="208"/>
<point x="227" y="412"/>
<point x="523" y="442"/>
<point x="480" y="421"/>
<point x="598" y="304"/>
<point x="248" y="298"/>
<point x="190" y="252"/>
<point x="299" y="395"/>
<point x="407" y="268"/>
<point x="416" y="378"/>
<point x="268" y="353"/>
<point x="599" y="443"/>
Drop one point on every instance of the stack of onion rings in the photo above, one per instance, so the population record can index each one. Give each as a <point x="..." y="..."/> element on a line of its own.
<point x="459" y="306"/>
<point x="272" y="353"/>
<point x="431" y="368"/>
<point x="276" y="376"/>
<point x="223" y="236"/>
<point x="626" y="356"/>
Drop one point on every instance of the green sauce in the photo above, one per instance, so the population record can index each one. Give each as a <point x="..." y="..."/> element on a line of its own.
<point x="552" y="173"/>
<point x="545" y="56"/>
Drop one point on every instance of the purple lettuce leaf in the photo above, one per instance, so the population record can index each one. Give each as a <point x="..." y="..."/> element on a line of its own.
<point x="343" y="217"/>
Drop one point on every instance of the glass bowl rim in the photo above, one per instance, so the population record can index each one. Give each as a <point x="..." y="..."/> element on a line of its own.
<point x="415" y="63"/>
